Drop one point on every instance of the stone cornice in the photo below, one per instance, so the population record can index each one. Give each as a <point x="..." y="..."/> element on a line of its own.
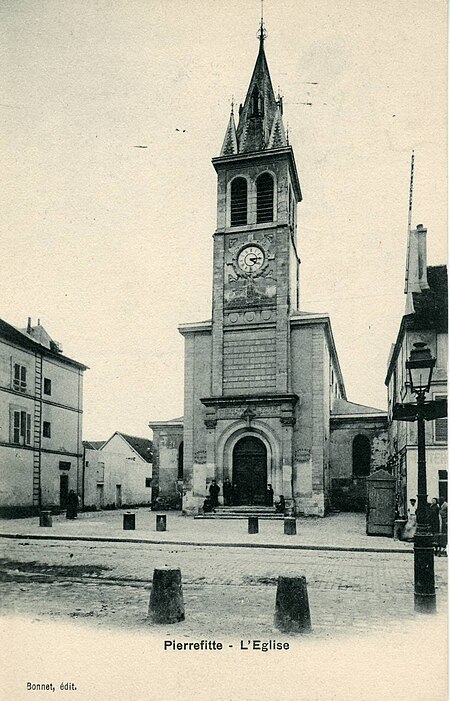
<point x="255" y="399"/>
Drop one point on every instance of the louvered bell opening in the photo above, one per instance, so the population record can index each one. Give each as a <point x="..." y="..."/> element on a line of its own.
<point x="239" y="202"/>
<point x="264" y="199"/>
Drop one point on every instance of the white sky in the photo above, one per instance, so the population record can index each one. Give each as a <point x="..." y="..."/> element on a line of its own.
<point x="111" y="246"/>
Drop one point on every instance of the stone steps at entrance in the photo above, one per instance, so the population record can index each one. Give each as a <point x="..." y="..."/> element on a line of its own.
<point x="243" y="512"/>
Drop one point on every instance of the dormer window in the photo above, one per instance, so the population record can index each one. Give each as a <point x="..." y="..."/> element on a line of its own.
<point x="239" y="202"/>
<point x="255" y="102"/>
<point x="264" y="198"/>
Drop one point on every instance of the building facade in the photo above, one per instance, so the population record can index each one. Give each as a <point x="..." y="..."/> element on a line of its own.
<point x="41" y="408"/>
<point x="262" y="376"/>
<point x="426" y="321"/>
<point x="118" y="472"/>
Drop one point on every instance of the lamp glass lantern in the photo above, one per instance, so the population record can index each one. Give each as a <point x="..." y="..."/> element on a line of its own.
<point x="420" y="368"/>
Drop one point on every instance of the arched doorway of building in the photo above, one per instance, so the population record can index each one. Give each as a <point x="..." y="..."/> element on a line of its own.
<point x="249" y="471"/>
<point x="361" y="456"/>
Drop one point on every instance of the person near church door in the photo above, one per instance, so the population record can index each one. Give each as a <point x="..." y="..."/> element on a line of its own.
<point x="269" y="495"/>
<point x="227" y="492"/>
<point x="280" y="506"/>
<point x="214" y="491"/>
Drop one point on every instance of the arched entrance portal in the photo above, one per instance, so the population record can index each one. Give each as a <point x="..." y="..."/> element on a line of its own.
<point x="250" y="470"/>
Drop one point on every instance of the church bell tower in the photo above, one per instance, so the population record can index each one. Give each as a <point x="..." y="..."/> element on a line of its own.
<point x="256" y="262"/>
<point x="240" y="405"/>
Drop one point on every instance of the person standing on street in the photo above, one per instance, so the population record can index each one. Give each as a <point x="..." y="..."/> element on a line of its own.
<point x="433" y="513"/>
<point x="443" y="513"/>
<point x="72" y="505"/>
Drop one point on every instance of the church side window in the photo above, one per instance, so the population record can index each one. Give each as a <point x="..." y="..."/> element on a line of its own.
<point x="239" y="202"/>
<point x="264" y="198"/>
<point x="180" y="461"/>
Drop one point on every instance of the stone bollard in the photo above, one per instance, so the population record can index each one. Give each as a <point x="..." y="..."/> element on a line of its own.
<point x="292" y="606"/>
<point x="253" y="526"/>
<point x="161" y="522"/>
<point x="129" y="522"/>
<point x="166" y="598"/>
<point x="45" y="519"/>
<point x="290" y="526"/>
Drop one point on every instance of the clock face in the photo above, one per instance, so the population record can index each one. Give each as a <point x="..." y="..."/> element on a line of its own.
<point x="251" y="259"/>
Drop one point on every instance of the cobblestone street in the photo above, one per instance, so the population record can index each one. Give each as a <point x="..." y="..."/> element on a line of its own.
<point x="77" y="612"/>
<point x="226" y="589"/>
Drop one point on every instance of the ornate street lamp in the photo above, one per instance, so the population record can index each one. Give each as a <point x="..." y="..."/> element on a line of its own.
<point x="420" y="368"/>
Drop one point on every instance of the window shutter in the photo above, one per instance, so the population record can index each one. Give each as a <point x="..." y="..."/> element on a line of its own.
<point x="28" y="432"/>
<point x="440" y="425"/>
<point x="15" y="426"/>
<point x="440" y="430"/>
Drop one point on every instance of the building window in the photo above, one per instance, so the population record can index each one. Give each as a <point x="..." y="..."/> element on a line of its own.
<point x="21" y="427"/>
<point x="239" y="202"/>
<point x="443" y="484"/>
<point x="264" y="198"/>
<point x="361" y="456"/>
<point x="148" y="481"/>
<point x="19" y="377"/>
<point x="47" y="386"/>
<point x="440" y="425"/>
<point x="180" y="461"/>
<point x="64" y="465"/>
<point x="46" y="429"/>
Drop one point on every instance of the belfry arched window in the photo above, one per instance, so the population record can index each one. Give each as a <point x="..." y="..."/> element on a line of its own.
<point x="238" y="202"/>
<point x="264" y="198"/>
<point x="361" y="456"/>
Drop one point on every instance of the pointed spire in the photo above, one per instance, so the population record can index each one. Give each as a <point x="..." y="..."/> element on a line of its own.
<point x="230" y="145"/>
<point x="258" y="112"/>
<point x="261" y="116"/>
<point x="278" y="137"/>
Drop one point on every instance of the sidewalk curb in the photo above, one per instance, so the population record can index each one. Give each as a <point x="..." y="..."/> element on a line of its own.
<point x="149" y="541"/>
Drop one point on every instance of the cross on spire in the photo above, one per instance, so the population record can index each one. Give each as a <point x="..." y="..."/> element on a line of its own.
<point x="262" y="33"/>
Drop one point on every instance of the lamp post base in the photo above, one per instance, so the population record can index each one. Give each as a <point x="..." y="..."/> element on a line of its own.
<point x="424" y="591"/>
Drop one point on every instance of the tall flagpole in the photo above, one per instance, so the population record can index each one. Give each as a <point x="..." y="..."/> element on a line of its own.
<point x="411" y="187"/>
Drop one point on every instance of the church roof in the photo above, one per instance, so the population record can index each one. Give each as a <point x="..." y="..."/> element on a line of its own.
<point x="260" y="124"/>
<point x="341" y="407"/>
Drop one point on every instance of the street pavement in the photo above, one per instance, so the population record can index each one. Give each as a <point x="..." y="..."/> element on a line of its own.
<point x="226" y="589"/>
<point x="337" y="531"/>
<point x="75" y="611"/>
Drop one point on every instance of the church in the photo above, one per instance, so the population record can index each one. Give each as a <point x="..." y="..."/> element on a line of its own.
<point x="264" y="397"/>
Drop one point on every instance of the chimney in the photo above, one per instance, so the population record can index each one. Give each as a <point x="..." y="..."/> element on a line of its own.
<point x="416" y="266"/>
<point x="29" y="325"/>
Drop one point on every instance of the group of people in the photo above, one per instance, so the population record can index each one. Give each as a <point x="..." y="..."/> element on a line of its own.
<point x="438" y="522"/>
<point x="231" y="497"/>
